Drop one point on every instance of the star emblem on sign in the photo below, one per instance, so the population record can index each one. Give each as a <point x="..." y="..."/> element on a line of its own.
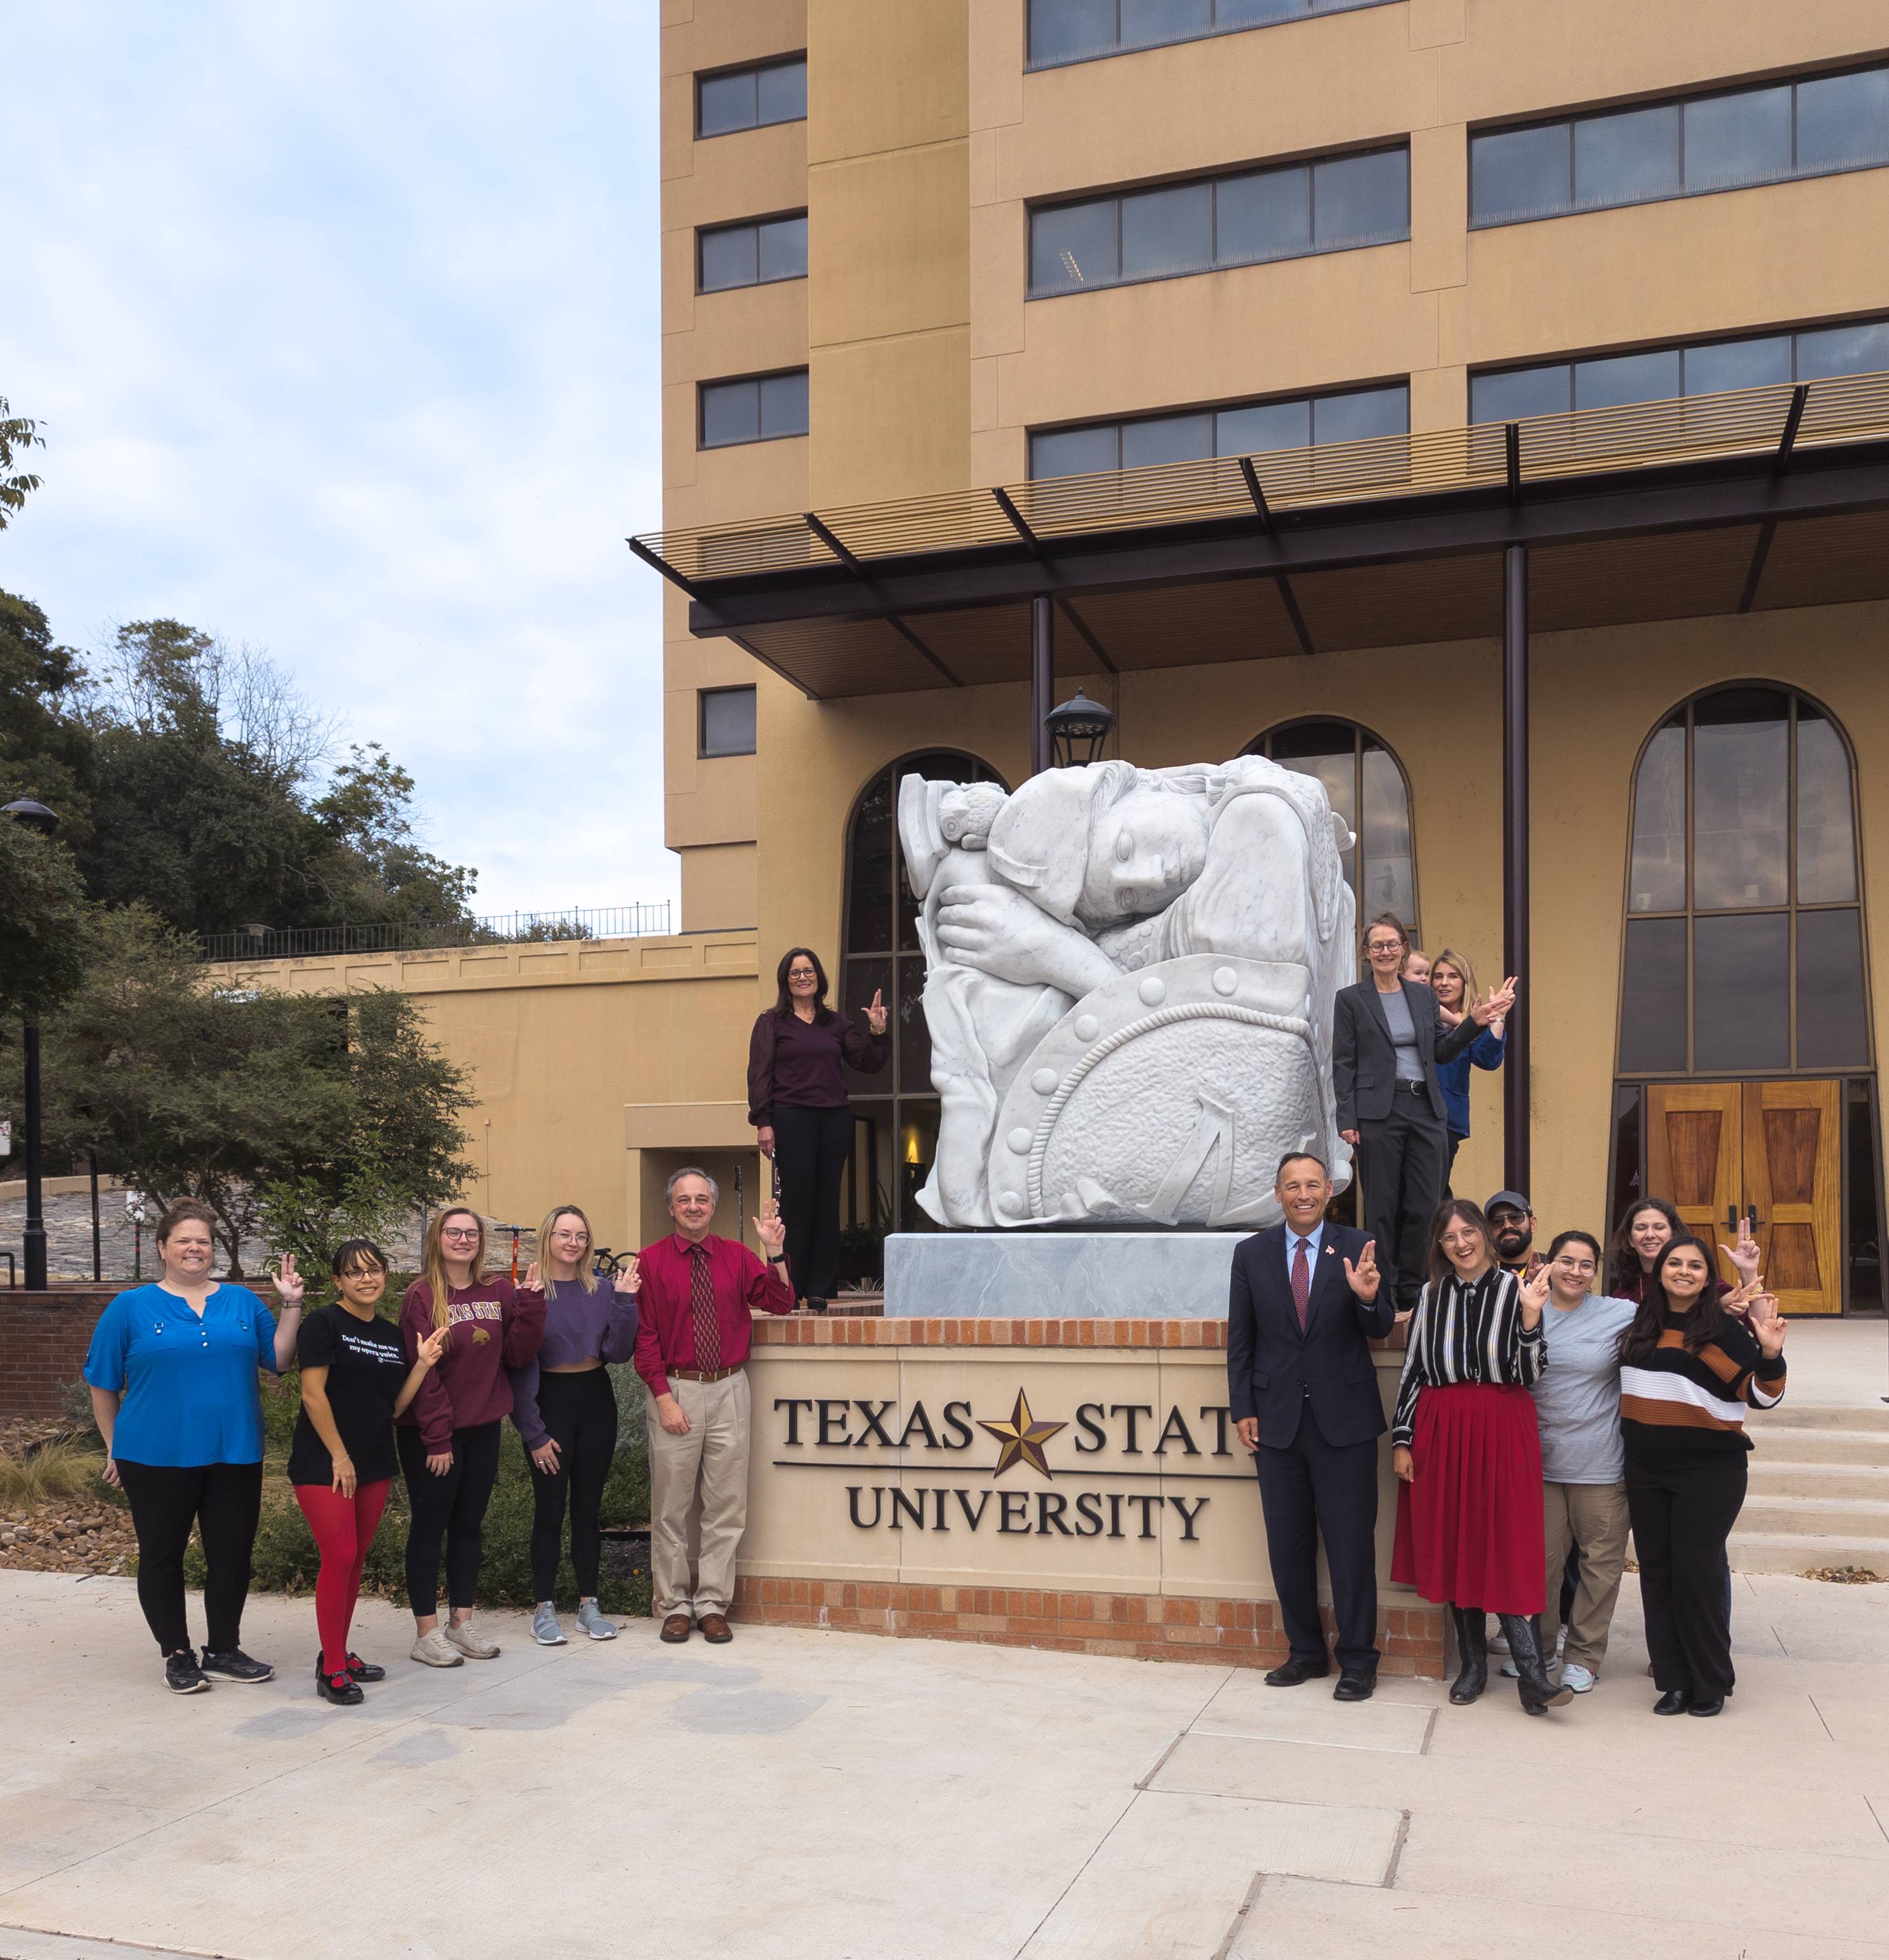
<point x="1022" y="1437"/>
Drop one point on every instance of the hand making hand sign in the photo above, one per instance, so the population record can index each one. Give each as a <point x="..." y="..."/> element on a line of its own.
<point x="1363" y="1277"/>
<point x="1534" y="1297"/>
<point x="288" y="1284"/>
<point x="876" y="1011"/>
<point x="1745" y="1255"/>
<point x="1496" y="1005"/>
<point x="771" y="1228"/>
<point x="1766" y="1324"/>
<point x="629" y="1276"/>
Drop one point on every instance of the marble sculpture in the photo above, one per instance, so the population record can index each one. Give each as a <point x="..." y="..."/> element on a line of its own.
<point x="1129" y="987"/>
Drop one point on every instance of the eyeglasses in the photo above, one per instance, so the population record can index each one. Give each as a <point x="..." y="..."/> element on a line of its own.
<point x="456" y="1232"/>
<point x="801" y="973"/>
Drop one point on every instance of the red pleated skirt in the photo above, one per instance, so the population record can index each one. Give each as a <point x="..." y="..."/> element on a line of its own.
<point x="1469" y="1523"/>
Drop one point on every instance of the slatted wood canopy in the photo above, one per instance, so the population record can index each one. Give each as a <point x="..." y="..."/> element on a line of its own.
<point x="1751" y="500"/>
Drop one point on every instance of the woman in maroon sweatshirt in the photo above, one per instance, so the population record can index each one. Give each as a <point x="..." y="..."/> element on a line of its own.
<point x="448" y="1439"/>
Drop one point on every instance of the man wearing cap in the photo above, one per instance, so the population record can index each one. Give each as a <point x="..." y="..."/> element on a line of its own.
<point x="1303" y="1389"/>
<point x="1512" y="1233"/>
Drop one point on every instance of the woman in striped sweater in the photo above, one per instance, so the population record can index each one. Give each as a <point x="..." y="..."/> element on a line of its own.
<point x="1466" y="1444"/>
<point x="1689" y="1369"/>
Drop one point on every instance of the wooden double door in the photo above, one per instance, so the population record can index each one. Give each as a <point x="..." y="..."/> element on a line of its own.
<point x="1717" y="1150"/>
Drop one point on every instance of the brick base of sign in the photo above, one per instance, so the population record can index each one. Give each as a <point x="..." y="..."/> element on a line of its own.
<point x="43" y="1340"/>
<point x="1135" y="1626"/>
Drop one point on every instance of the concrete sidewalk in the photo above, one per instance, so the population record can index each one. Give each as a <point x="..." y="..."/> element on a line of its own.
<point x="801" y="1793"/>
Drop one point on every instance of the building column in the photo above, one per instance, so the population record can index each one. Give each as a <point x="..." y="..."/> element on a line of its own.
<point x="1042" y="682"/>
<point x="1515" y="1108"/>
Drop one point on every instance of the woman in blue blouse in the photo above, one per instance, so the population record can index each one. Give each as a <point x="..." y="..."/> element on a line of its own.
<point x="173" y="1375"/>
<point x="1452" y="982"/>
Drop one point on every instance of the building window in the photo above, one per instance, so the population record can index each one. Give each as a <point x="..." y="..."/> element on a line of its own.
<point x="1724" y="141"/>
<point x="1744" y="949"/>
<point x="754" y="254"/>
<point x="1703" y="368"/>
<point x="895" y="1127"/>
<point x="751" y="98"/>
<point x="1368" y="789"/>
<point x="1175" y="230"/>
<point x="1248" y="430"/>
<point x="761" y="409"/>
<point x="1078" y="31"/>
<point x="725" y="726"/>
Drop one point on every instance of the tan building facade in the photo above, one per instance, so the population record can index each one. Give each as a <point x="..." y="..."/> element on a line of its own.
<point x="929" y="250"/>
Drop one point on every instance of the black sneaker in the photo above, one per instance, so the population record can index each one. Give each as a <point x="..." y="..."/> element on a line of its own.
<point x="236" y="1665"/>
<point x="182" y="1676"/>
<point x="339" y="1689"/>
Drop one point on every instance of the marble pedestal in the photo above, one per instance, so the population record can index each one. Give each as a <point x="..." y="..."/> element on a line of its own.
<point x="1063" y="1275"/>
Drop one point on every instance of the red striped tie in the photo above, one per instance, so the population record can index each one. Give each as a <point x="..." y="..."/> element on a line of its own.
<point x="707" y="1328"/>
<point x="1301" y="1282"/>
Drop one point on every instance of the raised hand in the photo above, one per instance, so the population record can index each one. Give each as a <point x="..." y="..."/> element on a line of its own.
<point x="531" y="1282"/>
<point x="433" y="1348"/>
<point x="1737" y="1302"/>
<point x="1767" y="1324"/>
<point x="770" y="1227"/>
<point x="628" y="1275"/>
<point x="1744" y="1256"/>
<point x="875" y="1014"/>
<point x="1363" y="1277"/>
<point x="1534" y="1297"/>
<point x="288" y="1284"/>
<point x="1495" y="1004"/>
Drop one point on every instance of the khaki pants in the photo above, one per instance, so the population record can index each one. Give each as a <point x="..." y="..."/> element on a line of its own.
<point x="1592" y="1516"/>
<point x="698" y="1494"/>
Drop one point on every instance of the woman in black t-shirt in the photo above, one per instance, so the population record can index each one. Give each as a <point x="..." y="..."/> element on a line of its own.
<point x="355" y="1381"/>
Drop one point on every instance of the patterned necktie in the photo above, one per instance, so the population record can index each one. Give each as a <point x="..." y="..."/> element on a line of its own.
<point x="1301" y="1282"/>
<point x="708" y="1332"/>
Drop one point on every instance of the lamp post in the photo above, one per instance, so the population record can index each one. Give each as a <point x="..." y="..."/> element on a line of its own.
<point x="35" y="817"/>
<point x="1078" y="730"/>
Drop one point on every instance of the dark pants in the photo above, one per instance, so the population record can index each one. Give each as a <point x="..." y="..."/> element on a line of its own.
<point x="1310" y="1486"/>
<point x="580" y="1412"/>
<point x="1457" y="1139"/>
<point x="811" y="1147"/>
<point x="1401" y="1157"/>
<point x="449" y="1510"/>
<point x="224" y="1501"/>
<point x="1682" y="1516"/>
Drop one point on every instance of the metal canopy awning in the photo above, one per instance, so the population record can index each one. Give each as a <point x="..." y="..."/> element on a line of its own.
<point x="1752" y="500"/>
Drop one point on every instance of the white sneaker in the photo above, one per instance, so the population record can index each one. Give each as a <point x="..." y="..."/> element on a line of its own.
<point x="1574" y="1676"/>
<point x="469" y="1641"/>
<point x="436" y="1650"/>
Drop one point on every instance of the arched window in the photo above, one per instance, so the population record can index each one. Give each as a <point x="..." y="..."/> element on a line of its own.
<point x="1745" y="951"/>
<point x="1744" y="1029"/>
<point x="1368" y="789"/>
<point x="895" y="1132"/>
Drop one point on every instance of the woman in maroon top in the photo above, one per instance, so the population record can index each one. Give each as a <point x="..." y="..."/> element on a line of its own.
<point x="448" y="1438"/>
<point x="797" y="1102"/>
<point x="1642" y="1234"/>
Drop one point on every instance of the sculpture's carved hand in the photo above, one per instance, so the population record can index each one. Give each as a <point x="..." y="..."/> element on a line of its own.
<point x="1001" y="932"/>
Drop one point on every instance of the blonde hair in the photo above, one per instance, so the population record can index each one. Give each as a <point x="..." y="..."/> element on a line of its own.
<point x="586" y="1273"/>
<point x="1447" y="958"/>
<point x="433" y="1260"/>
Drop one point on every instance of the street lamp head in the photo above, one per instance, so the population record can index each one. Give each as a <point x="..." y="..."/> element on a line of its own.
<point x="256" y="931"/>
<point x="34" y="816"/>
<point x="1078" y="729"/>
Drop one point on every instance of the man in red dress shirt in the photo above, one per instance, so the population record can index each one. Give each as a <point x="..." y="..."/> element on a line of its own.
<point x="691" y="1348"/>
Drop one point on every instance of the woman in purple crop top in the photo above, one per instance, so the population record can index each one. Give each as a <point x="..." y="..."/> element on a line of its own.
<point x="566" y="1410"/>
<point x="797" y="1102"/>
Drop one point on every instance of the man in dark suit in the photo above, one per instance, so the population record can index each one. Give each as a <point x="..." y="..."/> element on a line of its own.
<point x="1388" y="1035"/>
<point x="1303" y="1388"/>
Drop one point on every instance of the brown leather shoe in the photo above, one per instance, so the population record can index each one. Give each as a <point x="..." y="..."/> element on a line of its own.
<point x="715" y="1629"/>
<point x="676" y="1627"/>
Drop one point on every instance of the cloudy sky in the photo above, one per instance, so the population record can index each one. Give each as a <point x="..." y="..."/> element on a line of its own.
<point x="340" y="316"/>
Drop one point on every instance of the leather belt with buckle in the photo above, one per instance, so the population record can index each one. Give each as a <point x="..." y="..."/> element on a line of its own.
<point x="700" y="1374"/>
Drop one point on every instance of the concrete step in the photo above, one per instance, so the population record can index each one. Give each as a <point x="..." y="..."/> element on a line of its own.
<point x="1812" y="1482"/>
<point x="1789" y="1552"/>
<point x="1865" y="1412"/>
<point x="1796" y="1514"/>
<point x="1818" y="1446"/>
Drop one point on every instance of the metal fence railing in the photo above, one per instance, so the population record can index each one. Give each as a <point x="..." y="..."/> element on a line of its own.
<point x="1579" y="442"/>
<point x="640" y="921"/>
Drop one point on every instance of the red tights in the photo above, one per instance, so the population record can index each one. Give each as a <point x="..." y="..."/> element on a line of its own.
<point x="344" y="1528"/>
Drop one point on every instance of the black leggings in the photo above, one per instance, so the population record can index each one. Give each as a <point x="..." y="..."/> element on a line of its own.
<point x="451" y="1508"/>
<point x="224" y="1501"/>
<point x="811" y="1147"/>
<point x="1683" y="1514"/>
<point x="580" y="1412"/>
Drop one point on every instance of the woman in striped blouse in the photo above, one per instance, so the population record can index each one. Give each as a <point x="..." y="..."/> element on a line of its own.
<point x="1466" y="1444"/>
<point x="1689" y="1370"/>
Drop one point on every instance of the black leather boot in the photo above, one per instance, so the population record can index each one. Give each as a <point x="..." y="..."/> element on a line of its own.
<point x="1538" y="1693"/>
<point x="1472" y="1645"/>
